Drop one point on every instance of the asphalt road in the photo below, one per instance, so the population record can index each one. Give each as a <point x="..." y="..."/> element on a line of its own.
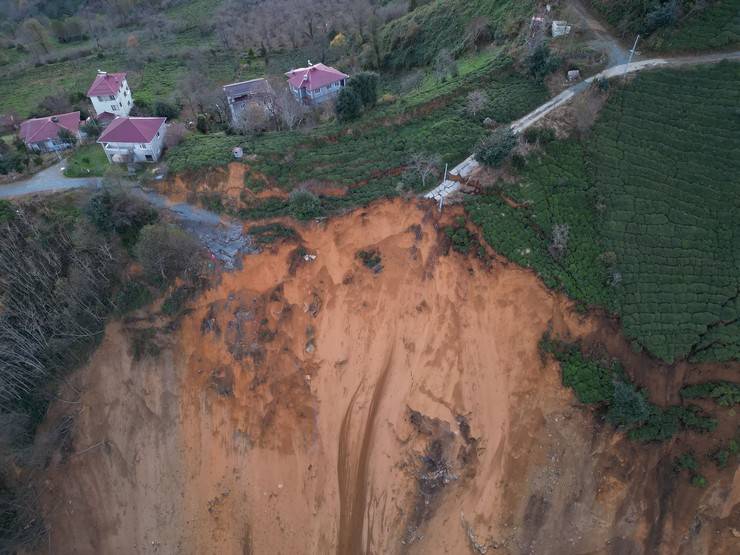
<point x="46" y="181"/>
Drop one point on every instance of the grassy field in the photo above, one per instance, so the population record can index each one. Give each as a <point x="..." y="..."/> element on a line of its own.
<point x="651" y="200"/>
<point x="87" y="161"/>
<point x="417" y="38"/>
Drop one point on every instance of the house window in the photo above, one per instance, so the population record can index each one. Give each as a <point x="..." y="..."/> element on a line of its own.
<point x="112" y="97"/>
<point x="129" y="103"/>
<point x="142" y="146"/>
<point x="149" y="158"/>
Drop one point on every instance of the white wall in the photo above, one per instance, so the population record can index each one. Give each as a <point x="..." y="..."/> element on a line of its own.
<point x="140" y="151"/>
<point x="120" y="104"/>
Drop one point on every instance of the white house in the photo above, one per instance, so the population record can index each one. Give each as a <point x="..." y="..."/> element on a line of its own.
<point x="128" y="140"/>
<point x="315" y="83"/>
<point x="109" y="92"/>
<point x="43" y="134"/>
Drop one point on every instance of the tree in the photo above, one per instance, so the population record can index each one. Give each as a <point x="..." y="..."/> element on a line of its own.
<point x="34" y="36"/>
<point x="286" y="112"/>
<point x="475" y="102"/>
<point x="91" y="128"/>
<point x="628" y="406"/>
<point x="304" y="205"/>
<point x="445" y="65"/>
<point x="542" y="62"/>
<point x="559" y="241"/>
<point x="349" y="105"/>
<point x="165" y="252"/>
<point x="120" y="212"/>
<point x="425" y="165"/>
<point x="68" y="137"/>
<point x="365" y="84"/>
<point x="494" y="149"/>
<point x="201" y="123"/>
<point x="164" y="109"/>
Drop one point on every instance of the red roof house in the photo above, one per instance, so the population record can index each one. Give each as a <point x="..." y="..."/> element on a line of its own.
<point x="316" y="82"/>
<point x="134" y="139"/>
<point x="42" y="134"/>
<point x="106" y="84"/>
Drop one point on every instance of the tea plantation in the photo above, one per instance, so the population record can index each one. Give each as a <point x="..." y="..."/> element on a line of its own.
<point x="651" y="199"/>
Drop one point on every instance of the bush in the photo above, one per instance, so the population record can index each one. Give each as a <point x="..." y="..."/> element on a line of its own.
<point x="365" y="84"/>
<point x="166" y="110"/>
<point x="165" y="252"/>
<point x="541" y="62"/>
<point x="591" y="382"/>
<point x="494" y="149"/>
<point x="271" y="233"/>
<point x="132" y="296"/>
<point x="628" y="406"/>
<point x="541" y="135"/>
<point x="119" y="212"/>
<point x="91" y="128"/>
<point x="304" y="205"/>
<point x="370" y="258"/>
<point x="699" y="481"/>
<point x="725" y="394"/>
<point x="349" y="105"/>
<point x="461" y="240"/>
<point x="686" y="461"/>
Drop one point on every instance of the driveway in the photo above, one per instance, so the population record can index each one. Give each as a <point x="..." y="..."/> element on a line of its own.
<point x="49" y="180"/>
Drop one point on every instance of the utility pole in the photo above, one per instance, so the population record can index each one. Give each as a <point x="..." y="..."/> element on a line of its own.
<point x="632" y="53"/>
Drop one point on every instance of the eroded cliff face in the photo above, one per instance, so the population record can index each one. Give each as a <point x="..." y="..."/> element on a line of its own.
<point x="309" y="405"/>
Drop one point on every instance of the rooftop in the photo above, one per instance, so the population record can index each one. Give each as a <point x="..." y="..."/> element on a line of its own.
<point x="314" y="76"/>
<point x="41" y="129"/>
<point x="253" y="87"/>
<point x="106" y="84"/>
<point x="131" y="130"/>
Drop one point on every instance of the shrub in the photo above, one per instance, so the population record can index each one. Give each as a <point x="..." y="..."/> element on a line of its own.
<point x="165" y="109"/>
<point x="271" y="233"/>
<point x="202" y="123"/>
<point x="541" y="62"/>
<point x="461" y="240"/>
<point x="365" y="84"/>
<point x="370" y="258"/>
<point x="494" y="149"/>
<point x="349" y="105"/>
<point x="699" y="481"/>
<point x="541" y="135"/>
<point x="91" y="128"/>
<point x="132" y="296"/>
<point x="686" y="461"/>
<point x="119" y="212"/>
<point x="591" y="382"/>
<point x="304" y="205"/>
<point x="628" y="406"/>
<point x="725" y="394"/>
<point x="165" y="252"/>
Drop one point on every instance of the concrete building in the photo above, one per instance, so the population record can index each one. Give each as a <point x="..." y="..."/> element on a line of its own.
<point x="43" y="134"/>
<point x="128" y="140"/>
<point x="315" y="83"/>
<point x="110" y="92"/>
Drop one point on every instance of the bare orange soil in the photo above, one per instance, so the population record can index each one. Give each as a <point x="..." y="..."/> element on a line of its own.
<point x="314" y="406"/>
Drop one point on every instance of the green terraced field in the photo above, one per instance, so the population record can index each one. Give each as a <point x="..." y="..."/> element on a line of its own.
<point x="652" y="200"/>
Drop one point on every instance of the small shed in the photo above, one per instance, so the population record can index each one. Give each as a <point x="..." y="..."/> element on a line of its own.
<point x="237" y="152"/>
<point x="560" y="28"/>
<point x="574" y="75"/>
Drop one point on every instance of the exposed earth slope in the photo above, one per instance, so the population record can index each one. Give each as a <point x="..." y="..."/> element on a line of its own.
<point x="315" y="406"/>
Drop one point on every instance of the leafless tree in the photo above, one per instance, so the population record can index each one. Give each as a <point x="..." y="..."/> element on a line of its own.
<point x="475" y="102"/>
<point x="559" y="240"/>
<point x="425" y="165"/>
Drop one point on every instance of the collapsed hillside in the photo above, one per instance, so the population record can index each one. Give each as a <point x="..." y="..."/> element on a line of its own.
<point x="319" y="401"/>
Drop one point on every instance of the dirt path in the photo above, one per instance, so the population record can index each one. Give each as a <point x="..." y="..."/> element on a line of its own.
<point x="617" y="52"/>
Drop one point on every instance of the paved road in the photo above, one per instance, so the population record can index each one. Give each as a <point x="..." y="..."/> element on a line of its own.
<point x="469" y="165"/>
<point x="48" y="180"/>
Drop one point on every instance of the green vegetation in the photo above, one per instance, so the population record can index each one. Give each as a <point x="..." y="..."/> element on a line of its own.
<point x="725" y="394"/>
<point x="458" y="25"/>
<point x="607" y="386"/>
<point x="494" y="149"/>
<point x="165" y="252"/>
<point x="132" y="295"/>
<point x="650" y="199"/>
<point x="304" y="205"/>
<point x="268" y="234"/>
<point x="723" y="455"/>
<point x="370" y="258"/>
<point x="674" y="25"/>
<point x="349" y="105"/>
<point x="87" y="161"/>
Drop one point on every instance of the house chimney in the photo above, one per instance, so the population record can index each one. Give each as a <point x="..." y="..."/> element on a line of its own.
<point x="55" y="119"/>
<point x="309" y="63"/>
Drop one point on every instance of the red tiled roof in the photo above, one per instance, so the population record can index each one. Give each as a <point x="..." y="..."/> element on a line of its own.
<point x="314" y="77"/>
<point x="41" y="129"/>
<point x="105" y="117"/>
<point x="106" y="84"/>
<point x="131" y="130"/>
